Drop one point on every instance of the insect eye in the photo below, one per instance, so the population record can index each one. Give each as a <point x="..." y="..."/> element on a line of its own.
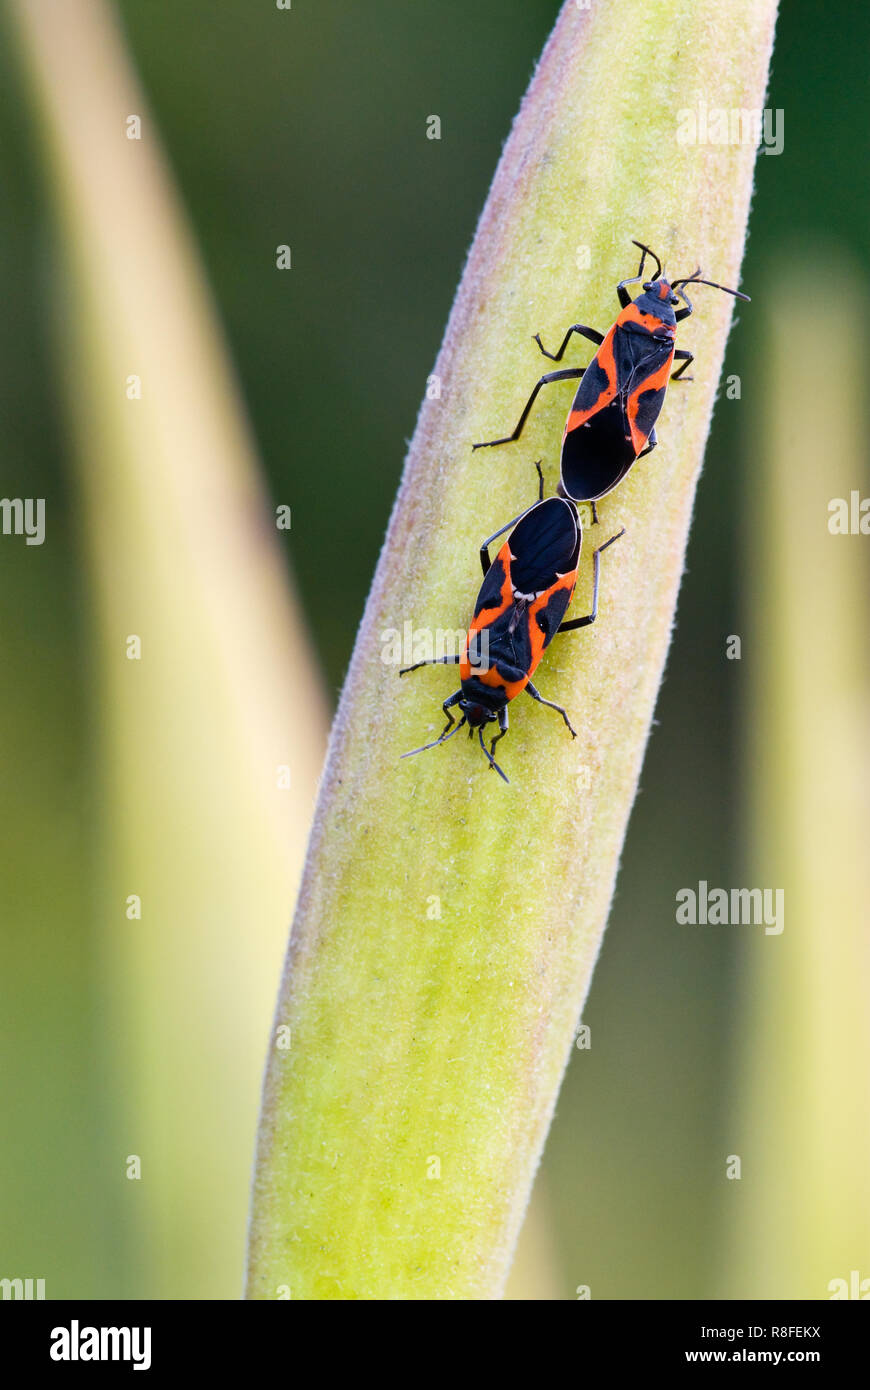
<point x="648" y="285"/>
<point x="674" y="299"/>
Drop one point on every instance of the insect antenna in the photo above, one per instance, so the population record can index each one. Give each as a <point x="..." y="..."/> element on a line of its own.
<point x="448" y="733"/>
<point x="640" y="246"/>
<point x="695" y="279"/>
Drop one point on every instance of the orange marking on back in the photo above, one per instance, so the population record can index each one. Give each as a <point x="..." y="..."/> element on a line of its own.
<point x="536" y="636"/>
<point x="654" y="382"/>
<point x="607" y="362"/>
<point x="651" y="322"/>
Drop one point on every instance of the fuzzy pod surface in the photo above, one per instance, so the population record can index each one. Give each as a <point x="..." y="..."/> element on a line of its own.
<point x="448" y="925"/>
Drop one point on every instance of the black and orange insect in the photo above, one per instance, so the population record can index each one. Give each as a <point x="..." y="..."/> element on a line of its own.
<point x="525" y="594"/>
<point x="612" y="421"/>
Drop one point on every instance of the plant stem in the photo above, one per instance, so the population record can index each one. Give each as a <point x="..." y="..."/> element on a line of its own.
<point x="448" y="925"/>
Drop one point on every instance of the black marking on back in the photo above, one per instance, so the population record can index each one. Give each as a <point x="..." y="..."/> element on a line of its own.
<point x="551" y="615"/>
<point x="637" y="353"/>
<point x="649" y="407"/>
<point x="592" y="383"/>
<point x="490" y="589"/>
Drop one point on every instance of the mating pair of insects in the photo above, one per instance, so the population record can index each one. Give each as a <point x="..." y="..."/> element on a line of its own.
<point x="527" y="589"/>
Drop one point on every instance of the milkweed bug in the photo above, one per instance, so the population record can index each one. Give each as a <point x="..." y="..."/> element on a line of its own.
<point x="612" y="420"/>
<point x="525" y="593"/>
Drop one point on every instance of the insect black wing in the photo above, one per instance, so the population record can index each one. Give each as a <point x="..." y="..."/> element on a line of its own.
<point x="544" y="544"/>
<point x="597" y="454"/>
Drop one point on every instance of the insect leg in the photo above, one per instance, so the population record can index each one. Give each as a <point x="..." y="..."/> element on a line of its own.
<point x="591" y="333"/>
<point x="567" y="374"/>
<point x="489" y="757"/>
<point x="574" y="623"/>
<point x="433" y="661"/>
<point x="687" y="357"/>
<point x="538" y="463"/>
<point x="689" y="309"/>
<point x="447" y="705"/>
<point x="536" y="695"/>
<point x="502" y="728"/>
<point x="485" y="561"/>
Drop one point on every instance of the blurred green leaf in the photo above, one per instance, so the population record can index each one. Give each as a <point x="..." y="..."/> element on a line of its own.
<point x="799" y="1218"/>
<point x="198" y="737"/>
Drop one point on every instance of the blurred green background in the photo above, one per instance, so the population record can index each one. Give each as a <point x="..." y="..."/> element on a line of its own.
<point x="307" y="128"/>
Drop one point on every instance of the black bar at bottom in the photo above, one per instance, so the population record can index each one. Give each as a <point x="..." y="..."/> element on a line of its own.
<point x="70" y="1338"/>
